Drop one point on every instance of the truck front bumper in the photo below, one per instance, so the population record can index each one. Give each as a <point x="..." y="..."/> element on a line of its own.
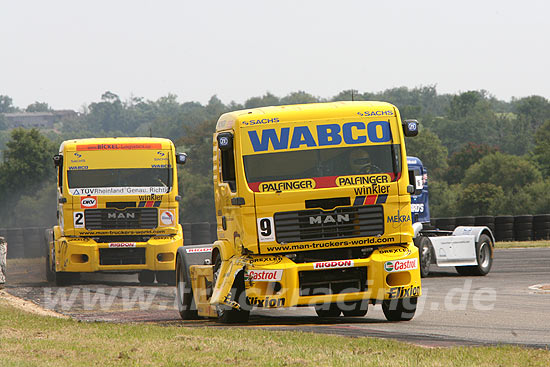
<point x="388" y="273"/>
<point x="78" y="254"/>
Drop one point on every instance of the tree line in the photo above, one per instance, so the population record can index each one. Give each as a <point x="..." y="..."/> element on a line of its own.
<point x="484" y="156"/>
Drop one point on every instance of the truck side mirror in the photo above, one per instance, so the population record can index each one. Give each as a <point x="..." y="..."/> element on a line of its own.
<point x="58" y="160"/>
<point x="410" y="127"/>
<point x="416" y="183"/>
<point x="181" y="158"/>
<point x="225" y="141"/>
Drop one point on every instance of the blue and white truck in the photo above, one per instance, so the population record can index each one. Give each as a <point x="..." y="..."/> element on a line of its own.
<point x="468" y="249"/>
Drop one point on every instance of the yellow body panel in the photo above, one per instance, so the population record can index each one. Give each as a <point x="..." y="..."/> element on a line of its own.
<point x="99" y="214"/>
<point x="248" y="203"/>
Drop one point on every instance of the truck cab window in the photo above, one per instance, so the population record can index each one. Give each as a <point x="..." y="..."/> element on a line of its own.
<point x="228" y="168"/>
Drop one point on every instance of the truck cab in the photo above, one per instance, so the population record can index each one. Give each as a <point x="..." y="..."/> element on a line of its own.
<point x="313" y="209"/>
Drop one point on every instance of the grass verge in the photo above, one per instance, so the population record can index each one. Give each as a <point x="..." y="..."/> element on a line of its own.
<point x="31" y="340"/>
<point x="522" y="244"/>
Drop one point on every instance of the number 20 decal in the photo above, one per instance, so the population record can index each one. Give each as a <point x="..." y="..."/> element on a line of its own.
<point x="266" y="232"/>
<point x="78" y="219"/>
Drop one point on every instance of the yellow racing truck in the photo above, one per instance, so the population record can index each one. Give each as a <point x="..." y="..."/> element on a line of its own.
<point x="313" y="207"/>
<point x="117" y="209"/>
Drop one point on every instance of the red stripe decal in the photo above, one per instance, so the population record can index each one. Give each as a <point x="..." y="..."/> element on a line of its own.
<point x="371" y="199"/>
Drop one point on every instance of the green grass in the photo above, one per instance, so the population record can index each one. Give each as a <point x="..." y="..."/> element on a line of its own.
<point x="29" y="340"/>
<point x="522" y="244"/>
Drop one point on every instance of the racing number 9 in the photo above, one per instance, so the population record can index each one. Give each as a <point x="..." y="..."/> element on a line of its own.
<point x="266" y="231"/>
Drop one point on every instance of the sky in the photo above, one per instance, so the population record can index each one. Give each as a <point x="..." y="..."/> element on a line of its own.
<point x="68" y="53"/>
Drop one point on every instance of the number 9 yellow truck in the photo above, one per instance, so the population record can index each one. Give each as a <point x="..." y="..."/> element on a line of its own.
<point x="313" y="208"/>
<point x="117" y="209"/>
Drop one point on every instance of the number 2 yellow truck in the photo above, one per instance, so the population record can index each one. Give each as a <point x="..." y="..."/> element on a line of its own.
<point x="117" y="209"/>
<point x="313" y="208"/>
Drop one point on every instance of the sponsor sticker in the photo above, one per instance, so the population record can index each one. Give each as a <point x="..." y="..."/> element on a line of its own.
<point x="167" y="217"/>
<point x="404" y="292"/>
<point x="334" y="264"/>
<point x="266" y="302"/>
<point x="88" y="202"/>
<point x="263" y="275"/>
<point x="195" y="250"/>
<point x="132" y="146"/>
<point x="122" y="244"/>
<point x="401" y="265"/>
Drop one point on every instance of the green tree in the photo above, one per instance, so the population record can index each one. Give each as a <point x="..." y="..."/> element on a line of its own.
<point x="509" y="172"/>
<point x="431" y="152"/>
<point x="6" y="105"/>
<point x="26" y="168"/>
<point x="535" y="109"/>
<point x="461" y="160"/>
<point x="38" y="107"/>
<point x="481" y="199"/>
<point x="443" y="199"/>
<point x="541" y="152"/>
<point x="299" y="97"/>
<point x="266" y="100"/>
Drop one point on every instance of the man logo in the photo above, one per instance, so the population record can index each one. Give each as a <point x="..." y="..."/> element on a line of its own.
<point x="329" y="219"/>
<point x="121" y="216"/>
<point x="224" y="141"/>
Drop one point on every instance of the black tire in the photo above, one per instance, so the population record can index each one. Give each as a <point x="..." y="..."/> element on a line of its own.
<point x="484" y="254"/>
<point x="425" y="252"/>
<point x="504" y="236"/>
<point x="465" y="221"/>
<point x="399" y="309"/>
<point x="167" y="277"/>
<point x="447" y="224"/>
<point x="523" y="219"/>
<point x="328" y="310"/>
<point x="523" y="227"/>
<point x="184" y="293"/>
<point x="542" y="235"/>
<point x="62" y="278"/>
<point x="504" y="227"/>
<point x="356" y="309"/>
<point x="541" y="226"/>
<point x="501" y="219"/>
<point x="523" y="235"/>
<point x="228" y="314"/>
<point x="50" y="276"/>
<point x="146" y="277"/>
<point x="541" y="218"/>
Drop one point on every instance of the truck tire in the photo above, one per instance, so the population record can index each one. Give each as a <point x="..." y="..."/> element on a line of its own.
<point x="484" y="252"/>
<point x="184" y="293"/>
<point x="328" y="310"/>
<point x="50" y="276"/>
<point x="360" y="309"/>
<point x="62" y="278"/>
<point x="399" y="309"/>
<point x="146" y="277"/>
<point x="167" y="277"/>
<point x="228" y="314"/>
<point x="425" y="252"/>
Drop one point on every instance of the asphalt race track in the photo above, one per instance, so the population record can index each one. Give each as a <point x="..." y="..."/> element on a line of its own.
<point x="503" y="307"/>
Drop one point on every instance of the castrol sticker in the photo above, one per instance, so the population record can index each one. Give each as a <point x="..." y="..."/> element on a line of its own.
<point x="122" y="244"/>
<point x="88" y="202"/>
<point x="263" y="275"/>
<point x="195" y="250"/>
<point x="400" y="265"/>
<point x="333" y="264"/>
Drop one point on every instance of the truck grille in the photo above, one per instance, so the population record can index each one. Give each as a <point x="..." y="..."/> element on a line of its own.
<point x="311" y="225"/>
<point x="122" y="256"/>
<point x="334" y="281"/>
<point x="138" y="218"/>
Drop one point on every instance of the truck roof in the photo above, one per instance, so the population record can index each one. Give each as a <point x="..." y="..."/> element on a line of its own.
<point x="72" y="144"/>
<point x="301" y="112"/>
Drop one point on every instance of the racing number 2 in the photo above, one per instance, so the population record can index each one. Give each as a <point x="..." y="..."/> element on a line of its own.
<point x="266" y="232"/>
<point x="79" y="219"/>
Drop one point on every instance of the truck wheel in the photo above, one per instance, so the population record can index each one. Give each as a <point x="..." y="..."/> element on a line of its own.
<point x="166" y="277"/>
<point x="184" y="293"/>
<point x="146" y="277"/>
<point x="359" y="309"/>
<point x="228" y="314"/>
<point x="484" y="252"/>
<point x="424" y="246"/>
<point x="50" y="276"/>
<point x="399" y="309"/>
<point x="62" y="278"/>
<point x="328" y="310"/>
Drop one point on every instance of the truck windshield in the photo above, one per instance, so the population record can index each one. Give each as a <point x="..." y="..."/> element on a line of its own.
<point x="303" y="164"/>
<point x="123" y="177"/>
